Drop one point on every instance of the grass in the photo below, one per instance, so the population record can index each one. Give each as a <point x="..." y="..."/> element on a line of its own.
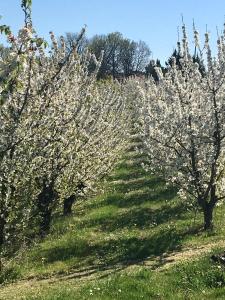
<point x="199" y="279"/>
<point x="114" y="247"/>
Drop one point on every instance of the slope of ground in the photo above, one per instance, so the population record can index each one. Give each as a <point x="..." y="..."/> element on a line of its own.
<point x="137" y="240"/>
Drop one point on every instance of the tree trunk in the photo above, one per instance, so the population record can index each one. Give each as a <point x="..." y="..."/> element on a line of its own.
<point x="45" y="201"/>
<point x="67" y="205"/>
<point x="3" y="213"/>
<point x="2" y="228"/>
<point x="68" y="202"/>
<point x="208" y="217"/>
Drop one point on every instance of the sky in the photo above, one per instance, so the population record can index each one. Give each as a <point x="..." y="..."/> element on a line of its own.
<point x="153" y="21"/>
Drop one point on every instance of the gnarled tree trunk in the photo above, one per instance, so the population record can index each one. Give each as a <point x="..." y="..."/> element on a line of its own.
<point x="68" y="202"/>
<point x="2" y="230"/>
<point x="45" y="203"/>
<point x="67" y="205"/>
<point x="208" y="208"/>
<point x="208" y="217"/>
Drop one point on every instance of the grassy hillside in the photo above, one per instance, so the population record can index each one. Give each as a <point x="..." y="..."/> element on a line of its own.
<point x="137" y="240"/>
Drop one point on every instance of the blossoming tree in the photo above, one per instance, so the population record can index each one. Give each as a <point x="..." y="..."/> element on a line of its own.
<point x="58" y="128"/>
<point x="183" y="125"/>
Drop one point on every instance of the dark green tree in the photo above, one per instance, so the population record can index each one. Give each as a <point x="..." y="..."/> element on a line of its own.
<point x="122" y="56"/>
<point x="196" y="58"/>
<point x="150" y="69"/>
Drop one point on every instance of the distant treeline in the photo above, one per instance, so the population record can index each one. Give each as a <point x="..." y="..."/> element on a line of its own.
<point x="122" y="57"/>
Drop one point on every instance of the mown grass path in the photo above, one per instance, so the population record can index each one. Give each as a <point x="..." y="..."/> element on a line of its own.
<point x="137" y="225"/>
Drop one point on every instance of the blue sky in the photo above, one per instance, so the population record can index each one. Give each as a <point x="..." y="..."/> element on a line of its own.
<point x="153" y="21"/>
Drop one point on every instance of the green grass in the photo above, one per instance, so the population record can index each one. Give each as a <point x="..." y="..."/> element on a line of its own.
<point x="103" y="249"/>
<point x="196" y="280"/>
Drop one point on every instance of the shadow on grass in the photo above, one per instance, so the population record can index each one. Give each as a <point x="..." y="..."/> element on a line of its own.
<point x="141" y="218"/>
<point x="127" y="171"/>
<point x="133" y="249"/>
<point x="138" y="183"/>
<point x="138" y="198"/>
<point x="132" y="190"/>
<point x="125" y="176"/>
<point x="122" y="251"/>
<point x="135" y="192"/>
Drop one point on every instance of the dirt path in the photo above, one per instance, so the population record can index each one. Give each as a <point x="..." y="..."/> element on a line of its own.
<point x="77" y="278"/>
<point x="168" y="260"/>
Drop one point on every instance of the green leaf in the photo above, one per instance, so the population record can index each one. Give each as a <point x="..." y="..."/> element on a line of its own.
<point x="26" y="3"/>
<point x="5" y="29"/>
